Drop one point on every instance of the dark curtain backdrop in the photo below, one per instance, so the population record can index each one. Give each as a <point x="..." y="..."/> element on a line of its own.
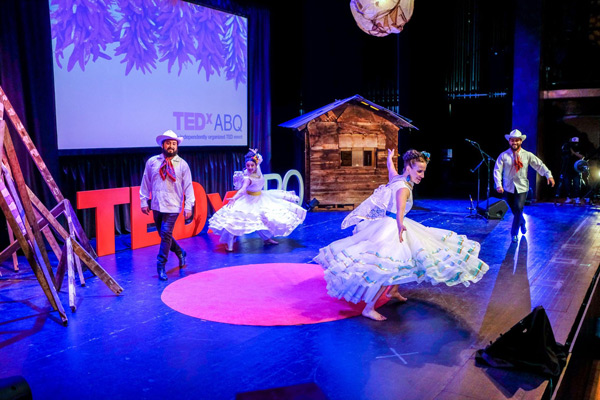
<point x="27" y="78"/>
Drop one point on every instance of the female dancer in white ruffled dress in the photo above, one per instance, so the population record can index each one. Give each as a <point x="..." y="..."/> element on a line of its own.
<point x="267" y="212"/>
<point x="387" y="249"/>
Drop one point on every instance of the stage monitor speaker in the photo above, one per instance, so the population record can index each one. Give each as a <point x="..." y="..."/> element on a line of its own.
<point x="529" y="345"/>
<point x="15" y="388"/>
<point x="303" y="391"/>
<point x="311" y="204"/>
<point x="498" y="208"/>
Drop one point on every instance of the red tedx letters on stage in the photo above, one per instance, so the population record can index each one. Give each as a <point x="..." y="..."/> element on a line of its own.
<point x="104" y="202"/>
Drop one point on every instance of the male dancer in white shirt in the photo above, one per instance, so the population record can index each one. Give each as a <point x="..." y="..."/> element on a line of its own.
<point x="168" y="178"/>
<point x="510" y="176"/>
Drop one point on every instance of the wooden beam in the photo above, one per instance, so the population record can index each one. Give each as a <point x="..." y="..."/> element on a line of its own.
<point x="71" y="275"/>
<point x="31" y="224"/>
<point x="79" y="232"/>
<point x="96" y="268"/>
<point x="87" y="259"/>
<point x="50" y="216"/>
<point x="40" y="270"/>
<point x="48" y="234"/>
<point x="33" y="152"/>
<point x="51" y="241"/>
<point x="61" y="269"/>
<point x="10" y="250"/>
<point x="15" y="259"/>
<point x="69" y="213"/>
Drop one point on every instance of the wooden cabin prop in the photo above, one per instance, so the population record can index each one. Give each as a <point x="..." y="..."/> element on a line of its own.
<point x="345" y="149"/>
<point x="30" y="222"/>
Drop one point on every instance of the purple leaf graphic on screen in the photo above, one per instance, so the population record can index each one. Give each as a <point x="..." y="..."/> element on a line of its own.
<point x="175" y="43"/>
<point x="145" y="32"/>
<point x="236" y="42"/>
<point x="87" y="25"/>
<point x="136" y="34"/>
<point x="208" y="29"/>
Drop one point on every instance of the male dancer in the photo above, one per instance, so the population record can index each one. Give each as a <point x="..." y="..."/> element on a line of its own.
<point x="168" y="178"/>
<point x="510" y="176"/>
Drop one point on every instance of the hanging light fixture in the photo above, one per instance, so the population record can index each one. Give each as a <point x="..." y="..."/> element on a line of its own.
<point x="381" y="17"/>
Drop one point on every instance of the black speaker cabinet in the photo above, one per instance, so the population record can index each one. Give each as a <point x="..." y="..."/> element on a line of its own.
<point x="15" y="388"/>
<point x="529" y="345"/>
<point x="498" y="208"/>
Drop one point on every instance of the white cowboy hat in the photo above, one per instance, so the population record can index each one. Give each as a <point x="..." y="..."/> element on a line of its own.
<point x="168" y="135"/>
<point x="515" y="134"/>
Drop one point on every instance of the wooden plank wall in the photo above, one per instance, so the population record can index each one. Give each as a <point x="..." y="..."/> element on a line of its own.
<point x="329" y="182"/>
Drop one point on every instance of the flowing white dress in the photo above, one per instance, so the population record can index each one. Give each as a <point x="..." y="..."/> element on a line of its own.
<point x="269" y="212"/>
<point x="357" y="266"/>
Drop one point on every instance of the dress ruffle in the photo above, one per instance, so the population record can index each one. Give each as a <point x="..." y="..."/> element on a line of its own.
<point x="356" y="267"/>
<point x="276" y="211"/>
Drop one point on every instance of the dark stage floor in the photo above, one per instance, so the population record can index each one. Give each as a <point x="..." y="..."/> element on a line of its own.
<point x="132" y="346"/>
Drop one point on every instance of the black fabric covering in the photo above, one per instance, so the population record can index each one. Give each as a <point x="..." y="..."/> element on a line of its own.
<point x="528" y="345"/>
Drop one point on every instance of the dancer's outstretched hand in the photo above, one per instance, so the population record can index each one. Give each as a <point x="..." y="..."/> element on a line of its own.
<point x="551" y="182"/>
<point x="390" y="153"/>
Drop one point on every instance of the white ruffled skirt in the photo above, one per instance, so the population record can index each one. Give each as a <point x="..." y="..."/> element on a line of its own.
<point x="275" y="211"/>
<point x="356" y="267"/>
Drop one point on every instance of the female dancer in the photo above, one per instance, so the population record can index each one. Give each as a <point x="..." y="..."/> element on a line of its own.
<point x="387" y="249"/>
<point x="267" y="212"/>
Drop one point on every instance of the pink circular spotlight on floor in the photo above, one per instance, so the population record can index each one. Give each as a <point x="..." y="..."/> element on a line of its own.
<point x="259" y="294"/>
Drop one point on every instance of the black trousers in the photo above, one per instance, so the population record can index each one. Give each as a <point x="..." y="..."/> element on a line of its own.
<point x="165" y="222"/>
<point x="516" y="202"/>
<point x="572" y="182"/>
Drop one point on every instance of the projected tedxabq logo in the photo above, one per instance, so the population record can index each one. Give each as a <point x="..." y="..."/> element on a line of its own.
<point x="143" y="33"/>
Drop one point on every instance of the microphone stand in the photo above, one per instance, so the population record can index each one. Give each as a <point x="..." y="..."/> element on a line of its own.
<point x="477" y="215"/>
<point x="487" y="159"/>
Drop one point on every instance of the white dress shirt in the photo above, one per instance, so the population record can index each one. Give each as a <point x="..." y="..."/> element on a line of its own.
<point x="167" y="196"/>
<point x="506" y="175"/>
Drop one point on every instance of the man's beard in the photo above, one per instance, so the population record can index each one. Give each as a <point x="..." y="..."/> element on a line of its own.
<point x="167" y="154"/>
<point x="515" y="147"/>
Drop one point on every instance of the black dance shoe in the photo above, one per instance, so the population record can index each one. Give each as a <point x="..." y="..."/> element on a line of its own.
<point x="182" y="258"/>
<point x="162" y="275"/>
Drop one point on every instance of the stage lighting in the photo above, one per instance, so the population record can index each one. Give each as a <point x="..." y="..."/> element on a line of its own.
<point x="381" y="17"/>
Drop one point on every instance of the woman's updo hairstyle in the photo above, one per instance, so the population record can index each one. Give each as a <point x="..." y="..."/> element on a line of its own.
<point x="253" y="156"/>
<point x="413" y="156"/>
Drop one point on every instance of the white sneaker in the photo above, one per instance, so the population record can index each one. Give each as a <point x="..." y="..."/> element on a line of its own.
<point x="577" y="201"/>
<point x="568" y="201"/>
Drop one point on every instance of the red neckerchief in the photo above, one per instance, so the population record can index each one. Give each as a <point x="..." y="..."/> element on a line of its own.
<point x="518" y="162"/>
<point x="167" y="170"/>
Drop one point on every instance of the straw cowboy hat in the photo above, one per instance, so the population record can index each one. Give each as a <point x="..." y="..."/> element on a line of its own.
<point x="515" y="134"/>
<point x="168" y="135"/>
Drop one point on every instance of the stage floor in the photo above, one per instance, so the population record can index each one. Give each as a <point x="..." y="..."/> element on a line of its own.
<point x="133" y="346"/>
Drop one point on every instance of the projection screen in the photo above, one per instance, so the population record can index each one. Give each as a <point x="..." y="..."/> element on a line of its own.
<point x="127" y="70"/>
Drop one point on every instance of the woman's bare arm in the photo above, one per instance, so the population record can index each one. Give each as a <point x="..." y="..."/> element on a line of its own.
<point x="392" y="172"/>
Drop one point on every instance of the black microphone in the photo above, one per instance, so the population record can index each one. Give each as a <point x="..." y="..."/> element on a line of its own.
<point x="470" y="141"/>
